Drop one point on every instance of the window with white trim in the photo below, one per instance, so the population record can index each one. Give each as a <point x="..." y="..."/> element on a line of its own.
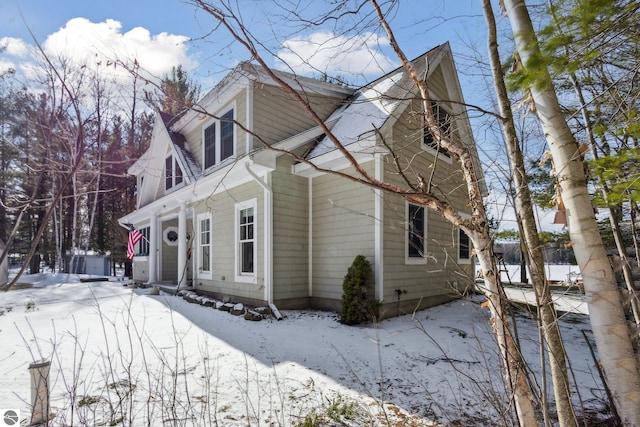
<point x="415" y="234"/>
<point x="204" y="246"/>
<point x="173" y="175"/>
<point x="246" y="248"/>
<point x="464" y="247"/>
<point x="143" y="244"/>
<point x="218" y="140"/>
<point x="429" y="141"/>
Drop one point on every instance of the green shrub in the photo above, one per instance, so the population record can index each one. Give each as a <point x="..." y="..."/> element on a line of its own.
<point x="356" y="307"/>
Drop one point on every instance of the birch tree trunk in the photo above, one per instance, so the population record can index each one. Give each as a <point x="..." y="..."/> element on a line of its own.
<point x="607" y="315"/>
<point x="533" y="247"/>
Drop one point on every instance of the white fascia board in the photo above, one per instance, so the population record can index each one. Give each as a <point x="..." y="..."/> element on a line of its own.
<point x="266" y="156"/>
<point x="217" y="98"/>
<point x="363" y="151"/>
<point x="217" y="182"/>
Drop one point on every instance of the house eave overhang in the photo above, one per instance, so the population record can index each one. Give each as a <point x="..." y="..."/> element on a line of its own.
<point x="362" y="151"/>
<point x="219" y="181"/>
<point x="266" y="156"/>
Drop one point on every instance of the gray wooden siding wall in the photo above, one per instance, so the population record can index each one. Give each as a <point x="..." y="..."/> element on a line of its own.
<point x="290" y="232"/>
<point x="222" y="209"/>
<point x="440" y="272"/>
<point x="343" y="227"/>
<point x="194" y="138"/>
<point x="277" y="116"/>
<point x="169" y="261"/>
<point x="140" y="270"/>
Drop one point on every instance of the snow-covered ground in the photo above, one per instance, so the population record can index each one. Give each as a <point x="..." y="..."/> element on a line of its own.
<point x="121" y="351"/>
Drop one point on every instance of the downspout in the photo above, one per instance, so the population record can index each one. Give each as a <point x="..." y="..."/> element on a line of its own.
<point x="268" y="235"/>
<point x="379" y="230"/>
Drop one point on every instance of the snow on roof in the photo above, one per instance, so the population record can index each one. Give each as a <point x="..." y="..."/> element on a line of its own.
<point x="358" y="119"/>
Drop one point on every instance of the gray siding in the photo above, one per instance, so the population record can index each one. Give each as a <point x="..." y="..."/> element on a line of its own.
<point x="194" y="138"/>
<point x="290" y="232"/>
<point x="169" y="263"/>
<point x="436" y="277"/>
<point x="343" y="227"/>
<point x="277" y="116"/>
<point x="222" y="208"/>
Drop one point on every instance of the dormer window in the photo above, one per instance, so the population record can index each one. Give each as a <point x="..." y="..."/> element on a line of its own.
<point x="429" y="141"/>
<point x="218" y="140"/>
<point x="173" y="175"/>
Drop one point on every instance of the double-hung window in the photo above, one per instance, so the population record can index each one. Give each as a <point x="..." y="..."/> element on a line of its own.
<point x="464" y="244"/>
<point x="429" y="141"/>
<point x="204" y="246"/>
<point x="218" y="140"/>
<point x="143" y="244"/>
<point x="246" y="249"/>
<point x="415" y="235"/>
<point x="464" y="247"/>
<point x="172" y="173"/>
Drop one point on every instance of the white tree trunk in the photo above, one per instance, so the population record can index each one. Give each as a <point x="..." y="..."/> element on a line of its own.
<point x="515" y="373"/>
<point x="605" y="306"/>
<point x="529" y="234"/>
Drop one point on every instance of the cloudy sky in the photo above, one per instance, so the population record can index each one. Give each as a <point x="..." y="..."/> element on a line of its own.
<point x="161" y="34"/>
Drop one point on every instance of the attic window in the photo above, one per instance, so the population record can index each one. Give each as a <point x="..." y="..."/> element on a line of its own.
<point x="218" y="140"/>
<point x="429" y="141"/>
<point x="173" y="175"/>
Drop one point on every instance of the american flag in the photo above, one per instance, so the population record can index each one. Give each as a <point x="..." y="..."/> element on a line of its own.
<point x="134" y="237"/>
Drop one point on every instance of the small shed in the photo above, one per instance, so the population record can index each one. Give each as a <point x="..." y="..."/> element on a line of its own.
<point x="90" y="264"/>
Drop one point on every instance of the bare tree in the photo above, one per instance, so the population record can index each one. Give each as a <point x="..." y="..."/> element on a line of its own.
<point x="534" y="256"/>
<point x="418" y="190"/>
<point x="606" y="310"/>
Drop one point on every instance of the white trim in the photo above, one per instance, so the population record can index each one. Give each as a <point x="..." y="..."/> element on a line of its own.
<point x="248" y="143"/>
<point x="310" y="237"/>
<point x="240" y="276"/>
<point x="268" y="232"/>
<point x="379" y="230"/>
<point x="175" y="164"/>
<point x="221" y="112"/>
<point x="154" y="239"/>
<point x="208" y="275"/>
<point x="414" y="260"/>
<point x="165" y="235"/>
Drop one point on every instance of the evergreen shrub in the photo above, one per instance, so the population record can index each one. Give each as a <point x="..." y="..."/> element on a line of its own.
<point x="356" y="307"/>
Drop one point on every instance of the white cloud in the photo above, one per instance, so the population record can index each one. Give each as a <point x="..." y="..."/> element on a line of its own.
<point x="15" y="47"/>
<point x="337" y="54"/>
<point x="90" y="49"/>
<point x="96" y="44"/>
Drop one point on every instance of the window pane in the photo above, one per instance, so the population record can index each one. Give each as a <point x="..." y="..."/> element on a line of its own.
<point x="143" y="245"/>
<point x="444" y="122"/>
<point x="205" y="245"/>
<point x="205" y="259"/>
<point x="210" y="146"/>
<point x="415" y="238"/>
<point x="247" y="257"/>
<point x="463" y="245"/>
<point x="168" y="169"/>
<point x="178" y="174"/>
<point x="226" y="135"/>
<point x="246" y="242"/>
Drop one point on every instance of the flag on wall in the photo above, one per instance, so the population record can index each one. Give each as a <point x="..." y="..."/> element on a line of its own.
<point x="134" y="237"/>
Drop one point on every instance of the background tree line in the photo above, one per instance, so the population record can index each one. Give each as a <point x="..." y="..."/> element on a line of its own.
<point x="74" y="132"/>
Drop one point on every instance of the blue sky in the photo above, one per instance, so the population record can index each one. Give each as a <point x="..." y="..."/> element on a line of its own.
<point x="420" y="25"/>
<point x="161" y="34"/>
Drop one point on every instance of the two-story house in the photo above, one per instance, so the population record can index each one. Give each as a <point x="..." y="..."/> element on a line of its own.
<point x="221" y="212"/>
